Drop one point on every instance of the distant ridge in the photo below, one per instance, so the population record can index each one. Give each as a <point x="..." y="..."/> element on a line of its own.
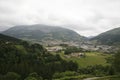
<point x="109" y="37"/>
<point x="43" y="32"/>
<point x="8" y="38"/>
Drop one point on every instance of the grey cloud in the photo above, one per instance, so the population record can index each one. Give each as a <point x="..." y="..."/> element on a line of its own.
<point x="87" y="17"/>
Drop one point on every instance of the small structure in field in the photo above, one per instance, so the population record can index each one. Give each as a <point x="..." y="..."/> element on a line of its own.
<point x="81" y="54"/>
<point x="54" y="49"/>
<point x="75" y="55"/>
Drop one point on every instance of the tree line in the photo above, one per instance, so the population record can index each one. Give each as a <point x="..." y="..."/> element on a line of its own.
<point x="21" y="60"/>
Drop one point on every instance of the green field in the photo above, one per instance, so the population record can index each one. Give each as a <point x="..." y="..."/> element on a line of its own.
<point x="92" y="58"/>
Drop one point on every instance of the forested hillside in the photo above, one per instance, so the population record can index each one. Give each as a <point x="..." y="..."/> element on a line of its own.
<point x="24" y="61"/>
<point x="8" y="38"/>
<point x="111" y="37"/>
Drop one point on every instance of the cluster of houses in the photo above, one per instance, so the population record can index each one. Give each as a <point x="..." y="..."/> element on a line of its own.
<point x="54" y="48"/>
<point x="86" y="46"/>
<point x="99" y="48"/>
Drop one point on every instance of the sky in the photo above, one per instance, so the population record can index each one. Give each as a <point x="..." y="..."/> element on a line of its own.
<point x="87" y="17"/>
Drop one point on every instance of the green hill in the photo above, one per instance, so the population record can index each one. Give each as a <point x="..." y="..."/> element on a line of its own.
<point x="43" y="32"/>
<point x="110" y="37"/>
<point x="8" y="38"/>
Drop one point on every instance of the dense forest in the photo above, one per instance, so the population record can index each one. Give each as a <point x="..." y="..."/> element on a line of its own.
<point x="19" y="60"/>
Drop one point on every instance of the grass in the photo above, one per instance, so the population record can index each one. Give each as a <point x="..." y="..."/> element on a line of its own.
<point x="115" y="77"/>
<point x="80" y="77"/>
<point x="92" y="58"/>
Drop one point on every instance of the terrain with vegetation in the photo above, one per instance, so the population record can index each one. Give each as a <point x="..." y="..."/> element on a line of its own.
<point x="29" y="60"/>
<point x="20" y="60"/>
<point x="111" y="37"/>
<point x="8" y="38"/>
<point x="39" y="33"/>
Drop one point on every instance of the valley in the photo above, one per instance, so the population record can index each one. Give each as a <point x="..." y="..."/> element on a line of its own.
<point x="54" y="36"/>
<point x="59" y="39"/>
<point x="41" y="52"/>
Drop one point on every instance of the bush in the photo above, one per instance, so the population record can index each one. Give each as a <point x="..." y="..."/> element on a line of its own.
<point x="33" y="76"/>
<point x="64" y="74"/>
<point x="12" y="76"/>
<point x="70" y="50"/>
<point x="97" y="70"/>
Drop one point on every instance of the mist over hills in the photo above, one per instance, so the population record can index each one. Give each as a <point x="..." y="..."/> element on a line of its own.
<point x="39" y="32"/>
<point x="44" y="32"/>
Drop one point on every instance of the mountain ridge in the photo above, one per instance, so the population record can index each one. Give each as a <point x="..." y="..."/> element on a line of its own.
<point x="8" y="38"/>
<point x="109" y="37"/>
<point x="44" y="32"/>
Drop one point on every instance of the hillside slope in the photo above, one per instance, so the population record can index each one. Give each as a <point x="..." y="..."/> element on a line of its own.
<point x="8" y="38"/>
<point x="110" y="37"/>
<point x="43" y="32"/>
<point x="22" y="58"/>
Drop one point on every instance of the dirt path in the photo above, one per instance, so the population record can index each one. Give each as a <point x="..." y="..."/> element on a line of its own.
<point x="91" y="78"/>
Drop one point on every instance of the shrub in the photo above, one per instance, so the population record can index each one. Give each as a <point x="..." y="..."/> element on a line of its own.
<point x="12" y="76"/>
<point x="33" y="76"/>
<point x="64" y="74"/>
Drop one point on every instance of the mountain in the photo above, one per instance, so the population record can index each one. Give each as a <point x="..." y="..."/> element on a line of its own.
<point x="8" y="38"/>
<point x="109" y="38"/>
<point x="40" y="33"/>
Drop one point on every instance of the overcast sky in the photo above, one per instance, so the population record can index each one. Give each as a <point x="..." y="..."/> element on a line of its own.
<point x="87" y="17"/>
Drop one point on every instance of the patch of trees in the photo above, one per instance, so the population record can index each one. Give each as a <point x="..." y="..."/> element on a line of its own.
<point x="70" y="50"/>
<point x="115" y="62"/>
<point x="31" y="62"/>
<point x="97" y="70"/>
<point x="58" y="75"/>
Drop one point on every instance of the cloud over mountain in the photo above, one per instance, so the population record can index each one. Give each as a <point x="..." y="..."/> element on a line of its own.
<point x="87" y="17"/>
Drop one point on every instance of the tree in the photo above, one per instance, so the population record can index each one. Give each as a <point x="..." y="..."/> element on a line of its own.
<point x="30" y="78"/>
<point x="33" y="76"/>
<point x="116" y="62"/>
<point x="12" y="76"/>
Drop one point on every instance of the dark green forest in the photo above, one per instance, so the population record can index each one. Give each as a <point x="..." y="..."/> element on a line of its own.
<point x="19" y="60"/>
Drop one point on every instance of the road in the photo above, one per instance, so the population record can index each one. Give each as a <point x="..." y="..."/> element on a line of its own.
<point x="91" y="78"/>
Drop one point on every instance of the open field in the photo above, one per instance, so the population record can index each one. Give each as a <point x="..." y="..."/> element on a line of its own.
<point x="92" y="58"/>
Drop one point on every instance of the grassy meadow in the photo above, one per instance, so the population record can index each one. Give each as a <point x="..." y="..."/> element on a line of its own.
<point x="92" y="58"/>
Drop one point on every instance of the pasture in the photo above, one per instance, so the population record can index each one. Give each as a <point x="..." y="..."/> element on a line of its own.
<point x="91" y="58"/>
